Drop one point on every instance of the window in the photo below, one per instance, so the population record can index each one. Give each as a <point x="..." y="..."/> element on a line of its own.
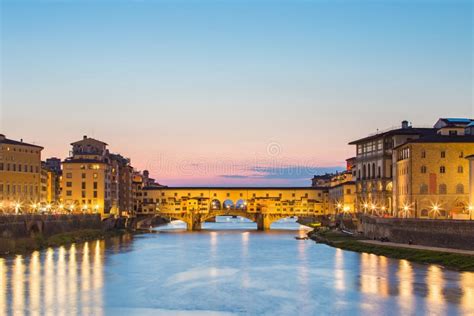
<point x="443" y="154"/>
<point x="442" y="189"/>
<point x="423" y="169"/>
<point x="348" y="191"/>
<point x="83" y="194"/>
<point x="460" y="169"/>
<point x="460" y="189"/>
<point x="83" y="185"/>
<point x="68" y="184"/>
<point x="95" y="194"/>
<point x="453" y="133"/>
<point x="69" y="193"/>
<point x="442" y="169"/>
<point x="83" y="176"/>
<point x="461" y="154"/>
<point x="423" y="189"/>
<point x="95" y="185"/>
<point x="69" y="175"/>
<point x="1" y="166"/>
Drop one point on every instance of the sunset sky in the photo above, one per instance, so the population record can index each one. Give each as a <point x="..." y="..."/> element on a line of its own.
<point x="230" y="92"/>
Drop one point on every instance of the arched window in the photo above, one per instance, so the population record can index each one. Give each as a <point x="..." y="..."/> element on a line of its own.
<point x="460" y="189"/>
<point x="423" y="189"/>
<point x="424" y="213"/>
<point x="443" y="189"/>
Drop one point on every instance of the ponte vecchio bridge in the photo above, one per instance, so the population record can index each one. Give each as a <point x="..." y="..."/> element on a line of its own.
<point x="263" y="205"/>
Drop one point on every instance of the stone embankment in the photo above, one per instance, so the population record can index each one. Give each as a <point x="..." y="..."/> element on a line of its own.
<point x="20" y="233"/>
<point x="457" y="234"/>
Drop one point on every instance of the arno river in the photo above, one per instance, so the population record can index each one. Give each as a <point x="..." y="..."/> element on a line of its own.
<point x="227" y="269"/>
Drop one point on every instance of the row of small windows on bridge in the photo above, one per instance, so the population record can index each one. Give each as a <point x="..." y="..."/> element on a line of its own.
<point x="241" y="195"/>
<point x="424" y="169"/>
<point x="18" y="167"/>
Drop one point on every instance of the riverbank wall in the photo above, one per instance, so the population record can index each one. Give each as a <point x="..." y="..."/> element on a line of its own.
<point x="458" y="234"/>
<point x="21" y="226"/>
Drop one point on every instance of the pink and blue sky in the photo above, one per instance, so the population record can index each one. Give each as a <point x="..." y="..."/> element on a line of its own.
<point x="230" y="92"/>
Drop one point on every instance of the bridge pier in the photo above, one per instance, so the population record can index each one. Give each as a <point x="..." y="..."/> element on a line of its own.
<point x="263" y="222"/>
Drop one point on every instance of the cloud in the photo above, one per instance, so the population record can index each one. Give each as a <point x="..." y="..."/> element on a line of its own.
<point x="295" y="172"/>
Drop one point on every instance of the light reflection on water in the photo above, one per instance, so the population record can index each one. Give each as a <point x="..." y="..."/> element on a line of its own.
<point x="238" y="271"/>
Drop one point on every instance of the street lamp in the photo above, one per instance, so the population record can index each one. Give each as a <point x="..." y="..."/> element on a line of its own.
<point x="470" y="209"/>
<point x="17" y="207"/>
<point x="373" y="208"/>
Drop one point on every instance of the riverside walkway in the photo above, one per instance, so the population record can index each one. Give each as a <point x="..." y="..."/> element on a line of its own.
<point x="420" y="247"/>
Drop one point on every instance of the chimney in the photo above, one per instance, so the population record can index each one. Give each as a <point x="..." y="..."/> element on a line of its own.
<point x="405" y="124"/>
<point x="84" y="137"/>
<point x="21" y="140"/>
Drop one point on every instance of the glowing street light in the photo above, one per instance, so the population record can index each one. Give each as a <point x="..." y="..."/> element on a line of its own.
<point x="435" y="209"/>
<point x="470" y="209"/>
<point x="17" y="206"/>
<point x="373" y="208"/>
<point x="406" y="210"/>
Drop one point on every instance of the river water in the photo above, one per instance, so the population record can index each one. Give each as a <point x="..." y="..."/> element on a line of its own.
<point x="227" y="269"/>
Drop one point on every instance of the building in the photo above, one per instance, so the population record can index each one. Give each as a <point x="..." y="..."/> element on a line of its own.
<point x="20" y="170"/>
<point x="86" y="178"/>
<point x="95" y="180"/>
<point x="121" y="185"/>
<point x="342" y="191"/>
<point x="373" y="166"/>
<point x="432" y="173"/>
<point x="50" y="181"/>
<point x="323" y="180"/>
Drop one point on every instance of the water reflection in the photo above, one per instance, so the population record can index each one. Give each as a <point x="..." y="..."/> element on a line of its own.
<point x="47" y="283"/>
<point x="435" y="283"/>
<point x="239" y="271"/>
<point x="405" y="285"/>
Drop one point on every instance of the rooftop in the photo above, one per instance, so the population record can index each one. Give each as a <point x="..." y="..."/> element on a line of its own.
<point x="4" y="140"/>
<point x="399" y="131"/>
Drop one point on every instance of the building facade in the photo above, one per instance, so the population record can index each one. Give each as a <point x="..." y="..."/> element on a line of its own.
<point x="95" y="180"/>
<point x="373" y="167"/>
<point x="432" y="176"/>
<point x="20" y="174"/>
